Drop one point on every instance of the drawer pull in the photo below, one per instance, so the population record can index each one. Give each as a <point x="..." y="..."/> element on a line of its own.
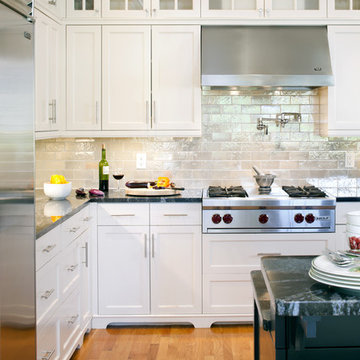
<point x="86" y="247"/>
<point x="152" y="245"/>
<point x="47" y="294"/>
<point x="175" y="214"/>
<point x="88" y="218"/>
<point x="72" y="319"/>
<point x="268" y="254"/>
<point x="74" y="229"/>
<point x="48" y="355"/>
<point x="145" y="245"/>
<point x="72" y="267"/>
<point x="49" y="248"/>
<point x="125" y="215"/>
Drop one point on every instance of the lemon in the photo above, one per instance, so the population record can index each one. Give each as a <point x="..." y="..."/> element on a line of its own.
<point x="58" y="179"/>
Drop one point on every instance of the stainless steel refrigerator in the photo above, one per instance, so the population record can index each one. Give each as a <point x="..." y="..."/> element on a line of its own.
<point x="17" y="214"/>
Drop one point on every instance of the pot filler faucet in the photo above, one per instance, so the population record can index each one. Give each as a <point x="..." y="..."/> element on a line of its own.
<point x="280" y="120"/>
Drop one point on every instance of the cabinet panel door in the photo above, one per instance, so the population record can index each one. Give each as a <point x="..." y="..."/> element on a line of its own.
<point x="176" y="98"/>
<point x="344" y="112"/>
<point x="83" y="8"/>
<point x="47" y="73"/>
<point x="344" y="8"/>
<point x="232" y="8"/>
<point x="126" y="77"/>
<point x="285" y="9"/>
<point x="123" y="270"/>
<point x="83" y="77"/>
<point x="176" y="269"/>
<point x="175" y="8"/>
<point x="126" y="8"/>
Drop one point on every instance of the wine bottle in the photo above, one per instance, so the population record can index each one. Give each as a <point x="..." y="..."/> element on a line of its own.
<point x="103" y="171"/>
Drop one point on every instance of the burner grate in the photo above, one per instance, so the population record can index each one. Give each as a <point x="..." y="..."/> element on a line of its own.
<point x="232" y="191"/>
<point x="306" y="191"/>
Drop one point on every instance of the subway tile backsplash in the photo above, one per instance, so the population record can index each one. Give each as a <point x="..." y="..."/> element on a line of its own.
<point x="229" y="146"/>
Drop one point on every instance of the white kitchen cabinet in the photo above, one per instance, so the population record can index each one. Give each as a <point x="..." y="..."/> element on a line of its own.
<point x="258" y="9"/>
<point x="83" y="78"/>
<point x="343" y="111"/>
<point x="176" y="92"/>
<point x="52" y="7"/>
<point x="123" y="270"/>
<point x="49" y="73"/>
<point x="150" y="8"/>
<point x="126" y="78"/>
<point x="151" y="89"/>
<point x="83" y="8"/>
<point x="47" y="346"/>
<point x="229" y="258"/>
<point x="346" y="9"/>
<point x="176" y="270"/>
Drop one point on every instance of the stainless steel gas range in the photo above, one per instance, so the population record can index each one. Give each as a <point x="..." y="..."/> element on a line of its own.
<point x="287" y="209"/>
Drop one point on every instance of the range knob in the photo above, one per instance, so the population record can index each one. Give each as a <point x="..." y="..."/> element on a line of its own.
<point x="299" y="218"/>
<point x="309" y="218"/>
<point x="216" y="218"/>
<point x="263" y="218"/>
<point x="227" y="218"/>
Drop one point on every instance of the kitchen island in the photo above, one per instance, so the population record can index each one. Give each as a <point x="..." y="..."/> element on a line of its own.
<point x="297" y="318"/>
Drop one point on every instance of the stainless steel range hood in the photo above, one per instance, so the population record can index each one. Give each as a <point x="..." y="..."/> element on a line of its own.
<point x="265" y="56"/>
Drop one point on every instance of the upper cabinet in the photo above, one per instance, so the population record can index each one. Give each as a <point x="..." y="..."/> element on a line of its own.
<point x="52" y="7"/>
<point x="344" y="8"/>
<point x="49" y="73"/>
<point x="282" y="9"/>
<point x="344" y="112"/>
<point x="83" y="8"/>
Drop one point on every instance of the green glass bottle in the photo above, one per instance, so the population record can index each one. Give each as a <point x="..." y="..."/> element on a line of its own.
<point x="103" y="171"/>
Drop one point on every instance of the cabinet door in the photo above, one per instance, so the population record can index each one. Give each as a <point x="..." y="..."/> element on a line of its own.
<point x="126" y="8"/>
<point x="232" y="8"/>
<point x="295" y="8"/>
<point x="123" y="270"/>
<point x="83" y="8"/>
<point x="344" y="112"/>
<point x="175" y="269"/>
<point x="48" y="73"/>
<point x="126" y="78"/>
<point x="83" y="78"/>
<point x="52" y="7"/>
<point x="175" y="8"/>
<point x="344" y="8"/>
<point x="176" y="93"/>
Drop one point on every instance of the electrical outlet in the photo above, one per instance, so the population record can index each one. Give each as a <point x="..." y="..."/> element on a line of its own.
<point x="350" y="159"/>
<point x="141" y="161"/>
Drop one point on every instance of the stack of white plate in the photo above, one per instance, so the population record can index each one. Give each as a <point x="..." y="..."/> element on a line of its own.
<point x="324" y="271"/>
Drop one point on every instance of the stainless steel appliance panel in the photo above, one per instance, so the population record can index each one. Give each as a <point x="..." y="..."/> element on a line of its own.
<point x="17" y="214"/>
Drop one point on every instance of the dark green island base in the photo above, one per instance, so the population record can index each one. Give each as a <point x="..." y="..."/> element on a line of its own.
<point x="297" y="318"/>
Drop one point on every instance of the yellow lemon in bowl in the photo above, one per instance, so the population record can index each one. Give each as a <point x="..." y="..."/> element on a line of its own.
<point x="58" y="179"/>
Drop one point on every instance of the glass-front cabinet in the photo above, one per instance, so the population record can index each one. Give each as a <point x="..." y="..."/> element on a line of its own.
<point x="263" y="8"/>
<point x="344" y="8"/>
<point x="83" y="8"/>
<point x="151" y="8"/>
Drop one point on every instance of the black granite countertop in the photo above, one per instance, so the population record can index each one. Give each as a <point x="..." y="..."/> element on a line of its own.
<point x="50" y="213"/>
<point x="293" y="293"/>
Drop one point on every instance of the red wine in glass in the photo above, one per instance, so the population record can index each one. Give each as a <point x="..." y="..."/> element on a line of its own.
<point x="118" y="175"/>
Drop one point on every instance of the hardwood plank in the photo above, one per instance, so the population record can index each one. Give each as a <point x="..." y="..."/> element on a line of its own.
<point x="168" y="343"/>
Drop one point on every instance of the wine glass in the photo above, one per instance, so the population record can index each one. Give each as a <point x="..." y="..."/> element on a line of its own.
<point x="118" y="174"/>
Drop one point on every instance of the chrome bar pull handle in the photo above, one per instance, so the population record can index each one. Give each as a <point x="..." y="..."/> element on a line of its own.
<point x="147" y="113"/>
<point x="72" y="267"/>
<point x="54" y="111"/>
<point x="153" y="112"/>
<point x="86" y="247"/>
<point x="88" y="218"/>
<point x="51" y="112"/>
<point x="48" y="355"/>
<point x="49" y="248"/>
<point x="145" y="245"/>
<point x="268" y="254"/>
<point x="47" y="294"/>
<point x="124" y="215"/>
<point x="72" y="319"/>
<point x="52" y="2"/>
<point x="74" y="229"/>
<point x="175" y="214"/>
<point x="152" y="245"/>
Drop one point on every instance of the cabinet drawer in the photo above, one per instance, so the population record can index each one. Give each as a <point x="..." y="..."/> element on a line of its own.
<point x="76" y="225"/>
<point x="175" y="214"/>
<point x="69" y="320"/>
<point x="228" y="294"/>
<point x="234" y="253"/>
<point x="47" y="290"/>
<point x="123" y="214"/>
<point x="47" y="346"/>
<point x="70" y="267"/>
<point x="47" y="247"/>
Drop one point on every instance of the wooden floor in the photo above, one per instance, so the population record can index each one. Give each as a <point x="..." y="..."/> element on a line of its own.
<point x="168" y="343"/>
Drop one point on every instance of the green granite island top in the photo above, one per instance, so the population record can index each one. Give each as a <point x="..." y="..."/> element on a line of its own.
<point x="293" y="293"/>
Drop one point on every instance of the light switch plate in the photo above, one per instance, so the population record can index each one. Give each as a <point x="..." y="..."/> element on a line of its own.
<point x="349" y="159"/>
<point x="141" y="161"/>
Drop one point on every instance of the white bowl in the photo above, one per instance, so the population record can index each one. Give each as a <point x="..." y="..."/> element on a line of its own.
<point x="353" y="218"/>
<point x="57" y="191"/>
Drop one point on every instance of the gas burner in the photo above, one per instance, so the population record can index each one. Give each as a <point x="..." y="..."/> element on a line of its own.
<point x="306" y="191"/>
<point x="232" y="191"/>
